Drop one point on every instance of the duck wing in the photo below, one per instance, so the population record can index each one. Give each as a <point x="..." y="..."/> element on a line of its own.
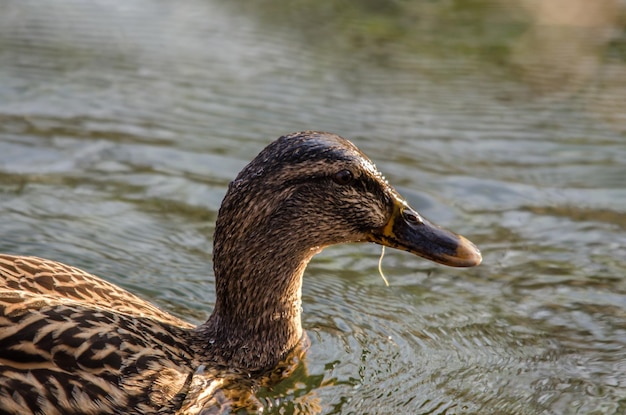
<point x="72" y="343"/>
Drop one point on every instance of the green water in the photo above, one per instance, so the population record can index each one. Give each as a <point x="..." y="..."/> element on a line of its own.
<point x="121" y="124"/>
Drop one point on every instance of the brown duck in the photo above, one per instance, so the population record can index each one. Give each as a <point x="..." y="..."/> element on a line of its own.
<point x="71" y="343"/>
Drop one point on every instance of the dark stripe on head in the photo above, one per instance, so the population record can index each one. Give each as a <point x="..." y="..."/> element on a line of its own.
<point x="293" y="149"/>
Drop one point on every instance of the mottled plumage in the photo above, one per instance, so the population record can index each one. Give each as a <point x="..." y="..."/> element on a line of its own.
<point x="72" y="343"/>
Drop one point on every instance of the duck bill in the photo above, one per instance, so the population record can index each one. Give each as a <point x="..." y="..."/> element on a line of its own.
<point x="408" y="231"/>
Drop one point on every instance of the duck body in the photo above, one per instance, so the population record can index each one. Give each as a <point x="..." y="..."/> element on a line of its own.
<point x="72" y="343"/>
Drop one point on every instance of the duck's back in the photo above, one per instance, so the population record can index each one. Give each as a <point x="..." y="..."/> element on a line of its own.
<point x="73" y="343"/>
<point x="54" y="282"/>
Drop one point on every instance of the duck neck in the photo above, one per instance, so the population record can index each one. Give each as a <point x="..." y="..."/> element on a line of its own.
<point x="258" y="276"/>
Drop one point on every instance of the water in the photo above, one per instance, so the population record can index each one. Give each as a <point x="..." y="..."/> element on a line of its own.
<point x="121" y="125"/>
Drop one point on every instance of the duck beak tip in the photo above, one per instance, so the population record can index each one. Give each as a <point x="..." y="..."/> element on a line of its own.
<point x="467" y="254"/>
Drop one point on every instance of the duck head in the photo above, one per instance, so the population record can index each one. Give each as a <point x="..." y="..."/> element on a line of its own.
<point x="303" y="192"/>
<point x="316" y="189"/>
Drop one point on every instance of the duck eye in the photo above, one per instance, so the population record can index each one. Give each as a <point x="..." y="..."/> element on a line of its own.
<point x="343" y="177"/>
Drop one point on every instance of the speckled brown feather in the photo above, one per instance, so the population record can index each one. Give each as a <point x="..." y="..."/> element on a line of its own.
<point x="74" y="341"/>
<point x="54" y="281"/>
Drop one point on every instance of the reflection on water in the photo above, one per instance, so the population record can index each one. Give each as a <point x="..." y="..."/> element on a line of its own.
<point x="121" y="125"/>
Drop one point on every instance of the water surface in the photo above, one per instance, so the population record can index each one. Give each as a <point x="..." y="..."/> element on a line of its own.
<point x="121" y="125"/>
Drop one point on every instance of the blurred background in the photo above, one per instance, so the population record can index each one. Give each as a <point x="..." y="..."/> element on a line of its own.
<point x="121" y="124"/>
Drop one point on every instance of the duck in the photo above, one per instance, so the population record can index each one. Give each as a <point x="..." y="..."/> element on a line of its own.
<point x="73" y="343"/>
